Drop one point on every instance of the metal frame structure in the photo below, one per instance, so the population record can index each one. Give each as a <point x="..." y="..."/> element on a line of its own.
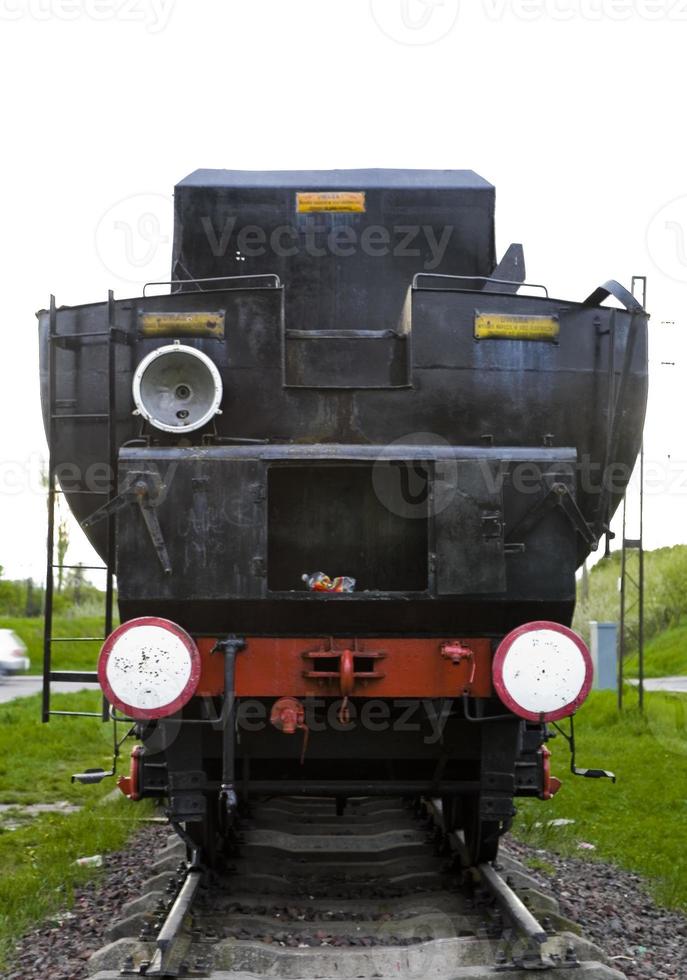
<point x="630" y="545"/>
<point x="109" y="417"/>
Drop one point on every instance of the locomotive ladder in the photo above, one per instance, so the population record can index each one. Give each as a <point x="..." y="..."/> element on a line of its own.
<point x="110" y="336"/>
<point x="628" y="582"/>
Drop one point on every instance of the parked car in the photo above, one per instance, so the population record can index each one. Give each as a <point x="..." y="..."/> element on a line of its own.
<point x="13" y="657"/>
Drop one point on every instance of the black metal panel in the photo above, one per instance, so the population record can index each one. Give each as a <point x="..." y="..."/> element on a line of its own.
<point x="338" y="359"/>
<point x="469" y="528"/>
<point x="244" y="523"/>
<point x="354" y="615"/>
<point x="212" y="519"/>
<point x="542" y="542"/>
<point x="341" y="269"/>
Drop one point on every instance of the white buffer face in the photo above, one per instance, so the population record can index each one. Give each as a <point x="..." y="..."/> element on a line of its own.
<point x="544" y="671"/>
<point x="148" y="667"/>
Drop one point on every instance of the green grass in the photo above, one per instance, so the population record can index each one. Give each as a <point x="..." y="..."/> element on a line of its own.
<point x="66" y="656"/>
<point x="37" y="761"/>
<point x="639" y="822"/>
<point x="665" y="656"/>
<point x="37" y="870"/>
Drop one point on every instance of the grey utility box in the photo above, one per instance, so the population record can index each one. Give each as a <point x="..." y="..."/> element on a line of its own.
<point x="604" y="650"/>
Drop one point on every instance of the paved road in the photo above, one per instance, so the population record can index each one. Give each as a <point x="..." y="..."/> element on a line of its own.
<point x="22" y="687"/>
<point x="677" y="685"/>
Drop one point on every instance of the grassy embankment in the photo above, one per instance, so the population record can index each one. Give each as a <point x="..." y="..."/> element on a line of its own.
<point x="664" y="656"/>
<point x="37" y="870"/>
<point x="638" y="823"/>
<point x="665" y="608"/>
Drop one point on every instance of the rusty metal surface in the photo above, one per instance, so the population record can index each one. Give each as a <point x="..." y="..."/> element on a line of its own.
<point x="306" y="666"/>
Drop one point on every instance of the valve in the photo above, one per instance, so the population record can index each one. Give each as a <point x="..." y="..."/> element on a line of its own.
<point x="550" y="784"/>
<point x="457" y="653"/>
<point x="288" y="716"/>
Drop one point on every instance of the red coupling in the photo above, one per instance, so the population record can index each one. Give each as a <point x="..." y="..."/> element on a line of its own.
<point x="550" y="784"/>
<point x="288" y="716"/>
<point x="130" y="785"/>
<point x="347" y="673"/>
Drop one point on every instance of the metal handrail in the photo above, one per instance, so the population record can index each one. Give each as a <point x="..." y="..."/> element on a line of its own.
<point x="181" y="282"/>
<point x="500" y="282"/>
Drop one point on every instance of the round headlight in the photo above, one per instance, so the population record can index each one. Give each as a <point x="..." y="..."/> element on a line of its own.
<point x="177" y="388"/>
<point x="542" y="671"/>
<point x="149" y="668"/>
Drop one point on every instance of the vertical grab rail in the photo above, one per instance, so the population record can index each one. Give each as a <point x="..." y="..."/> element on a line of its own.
<point x="49" y="573"/>
<point x="112" y="456"/>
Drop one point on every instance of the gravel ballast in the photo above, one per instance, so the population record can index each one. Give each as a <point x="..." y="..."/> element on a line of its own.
<point x="59" y="948"/>
<point x="612" y="908"/>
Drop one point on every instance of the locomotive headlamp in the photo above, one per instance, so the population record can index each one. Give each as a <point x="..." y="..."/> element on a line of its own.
<point x="542" y="671"/>
<point x="177" y="388"/>
<point x="149" y="668"/>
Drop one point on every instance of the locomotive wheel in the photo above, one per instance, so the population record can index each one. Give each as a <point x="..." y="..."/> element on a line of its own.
<point x="207" y="833"/>
<point x="481" y="836"/>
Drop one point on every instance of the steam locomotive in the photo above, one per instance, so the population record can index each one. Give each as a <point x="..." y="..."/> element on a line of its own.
<point x="344" y="470"/>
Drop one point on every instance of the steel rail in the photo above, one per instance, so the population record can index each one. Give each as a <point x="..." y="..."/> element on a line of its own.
<point x="524" y="924"/>
<point x="513" y="907"/>
<point x="510" y="938"/>
<point x="162" y="964"/>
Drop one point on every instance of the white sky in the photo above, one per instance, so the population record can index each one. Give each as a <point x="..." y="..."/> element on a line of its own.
<point x="574" y="109"/>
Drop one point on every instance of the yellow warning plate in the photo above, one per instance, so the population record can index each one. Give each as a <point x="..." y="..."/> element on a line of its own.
<point x="330" y="201"/>
<point x="182" y="324"/>
<point x="508" y="326"/>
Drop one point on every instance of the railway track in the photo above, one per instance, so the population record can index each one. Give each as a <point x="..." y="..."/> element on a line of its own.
<point x="379" y="892"/>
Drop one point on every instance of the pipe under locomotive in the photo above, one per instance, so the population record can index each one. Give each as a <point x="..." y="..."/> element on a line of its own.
<point x="345" y="471"/>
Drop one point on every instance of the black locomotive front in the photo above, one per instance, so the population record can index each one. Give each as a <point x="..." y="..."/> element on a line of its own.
<point x="356" y="465"/>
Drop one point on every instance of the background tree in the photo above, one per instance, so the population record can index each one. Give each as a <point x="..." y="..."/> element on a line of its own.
<point x="77" y="582"/>
<point x="62" y="546"/>
<point x="33" y="600"/>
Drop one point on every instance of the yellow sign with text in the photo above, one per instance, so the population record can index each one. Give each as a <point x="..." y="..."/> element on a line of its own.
<point x="507" y="326"/>
<point x="353" y="201"/>
<point x="180" y="324"/>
